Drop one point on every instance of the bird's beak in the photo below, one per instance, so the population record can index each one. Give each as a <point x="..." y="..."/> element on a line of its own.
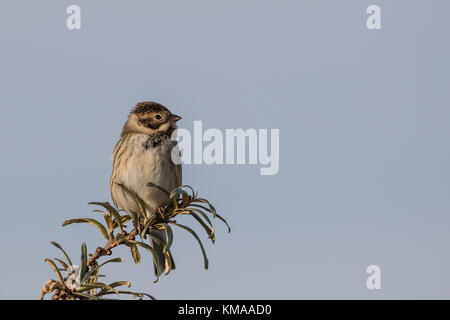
<point x="175" y="118"/>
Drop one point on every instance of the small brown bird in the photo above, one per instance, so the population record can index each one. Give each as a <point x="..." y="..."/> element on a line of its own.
<point x="143" y="155"/>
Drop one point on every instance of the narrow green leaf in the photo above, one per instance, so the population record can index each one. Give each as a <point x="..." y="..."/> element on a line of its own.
<point x="169" y="236"/>
<point x="136" y="294"/>
<point x="114" y="285"/>
<point x="120" y="238"/>
<point x="155" y="270"/>
<point x="152" y="251"/>
<point x="65" y="266"/>
<point x="109" y="222"/>
<point x="92" y="275"/>
<point x="83" y="260"/>
<point x="213" y="211"/>
<point x="134" y="218"/>
<point x="85" y="296"/>
<point x="202" y="214"/>
<point x="205" y="258"/>
<point x="98" y="267"/>
<point x="55" y="269"/>
<point x="189" y="187"/>
<point x="174" y="203"/>
<point x="92" y="286"/>
<point x="140" y="203"/>
<point x="177" y="192"/>
<point x="211" y="207"/>
<point x="199" y="206"/>
<point x="120" y="283"/>
<point x="147" y="225"/>
<point x="94" y="222"/>
<point x="169" y="263"/>
<point x="64" y="252"/>
<point x="112" y="211"/>
<point x="179" y="211"/>
<point x="135" y="253"/>
<point x="185" y="199"/>
<point x="125" y="218"/>
<point x="159" y="258"/>
<point x="224" y="221"/>
<point x="98" y="211"/>
<point x="145" y="246"/>
<point x="167" y="193"/>
<point x="209" y="231"/>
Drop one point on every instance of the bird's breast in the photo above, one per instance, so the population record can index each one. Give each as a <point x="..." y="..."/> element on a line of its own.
<point x="137" y="164"/>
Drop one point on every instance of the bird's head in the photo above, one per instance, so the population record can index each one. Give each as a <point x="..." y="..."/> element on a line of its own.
<point x="150" y="118"/>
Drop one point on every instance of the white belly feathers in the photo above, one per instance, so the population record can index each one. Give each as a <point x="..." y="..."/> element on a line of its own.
<point x="135" y="165"/>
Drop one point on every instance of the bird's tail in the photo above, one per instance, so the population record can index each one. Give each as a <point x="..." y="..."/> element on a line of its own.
<point x="162" y="258"/>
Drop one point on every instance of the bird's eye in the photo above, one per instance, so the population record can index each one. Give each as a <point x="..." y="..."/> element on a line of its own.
<point x="157" y="117"/>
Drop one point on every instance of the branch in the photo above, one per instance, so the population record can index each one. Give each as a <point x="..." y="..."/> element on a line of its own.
<point x="106" y="250"/>
<point x="161" y="217"/>
<point x="181" y="203"/>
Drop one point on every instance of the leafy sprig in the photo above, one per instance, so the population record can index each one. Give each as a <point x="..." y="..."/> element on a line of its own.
<point x="156" y="229"/>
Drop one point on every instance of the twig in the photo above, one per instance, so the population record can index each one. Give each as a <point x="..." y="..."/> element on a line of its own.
<point x="106" y="250"/>
<point x="112" y="243"/>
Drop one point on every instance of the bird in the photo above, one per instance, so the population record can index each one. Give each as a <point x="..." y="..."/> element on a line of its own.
<point x="143" y="155"/>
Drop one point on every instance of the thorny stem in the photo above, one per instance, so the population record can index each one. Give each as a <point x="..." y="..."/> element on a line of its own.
<point x="112" y="243"/>
<point x="106" y="250"/>
<point x="65" y="293"/>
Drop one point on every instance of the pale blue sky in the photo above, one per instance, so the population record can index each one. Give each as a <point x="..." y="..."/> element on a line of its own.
<point x="364" y="140"/>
